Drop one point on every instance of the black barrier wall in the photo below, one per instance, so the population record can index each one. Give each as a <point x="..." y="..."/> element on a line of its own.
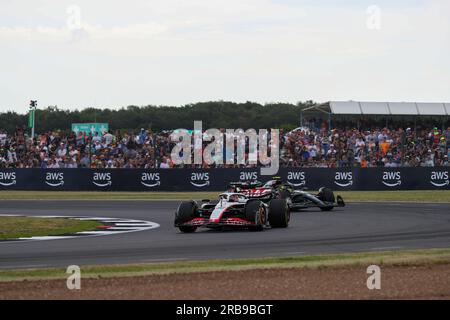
<point x="217" y="179"/>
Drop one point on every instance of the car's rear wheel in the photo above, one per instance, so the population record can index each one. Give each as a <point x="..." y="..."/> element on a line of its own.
<point x="186" y="212"/>
<point x="279" y="213"/>
<point x="254" y="212"/>
<point x="326" y="195"/>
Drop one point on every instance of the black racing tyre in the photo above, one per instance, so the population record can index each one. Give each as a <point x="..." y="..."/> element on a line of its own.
<point x="284" y="194"/>
<point x="279" y="213"/>
<point x="185" y="212"/>
<point x="326" y="195"/>
<point x="340" y="201"/>
<point x="254" y="212"/>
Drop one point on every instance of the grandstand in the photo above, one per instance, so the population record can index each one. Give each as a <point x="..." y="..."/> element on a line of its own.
<point x="385" y="108"/>
<point x="398" y="113"/>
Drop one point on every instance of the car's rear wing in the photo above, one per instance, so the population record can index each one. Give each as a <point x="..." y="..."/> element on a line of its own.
<point x="245" y="184"/>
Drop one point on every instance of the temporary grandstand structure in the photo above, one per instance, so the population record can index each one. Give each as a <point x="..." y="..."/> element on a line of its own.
<point x="360" y="108"/>
<point x="387" y="108"/>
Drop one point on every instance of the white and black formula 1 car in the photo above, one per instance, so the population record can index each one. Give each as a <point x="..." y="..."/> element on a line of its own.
<point x="324" y="199"/>
<point x="234" y="210"/>
<point x="296" y="199"/>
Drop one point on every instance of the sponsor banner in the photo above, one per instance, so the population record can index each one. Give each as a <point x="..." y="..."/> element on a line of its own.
<point x="217" y="179"/>
<point x="90" y="128"/>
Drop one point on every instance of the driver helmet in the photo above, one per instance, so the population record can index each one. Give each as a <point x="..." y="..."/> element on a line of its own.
<point x="273" y="183"/>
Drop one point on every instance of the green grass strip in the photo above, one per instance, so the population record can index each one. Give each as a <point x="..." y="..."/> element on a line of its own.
<point x="401" y="258"/>
<point x="23" y="227"/>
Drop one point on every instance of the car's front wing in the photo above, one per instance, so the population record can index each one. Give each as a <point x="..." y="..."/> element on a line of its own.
<point x="205" y="222"/>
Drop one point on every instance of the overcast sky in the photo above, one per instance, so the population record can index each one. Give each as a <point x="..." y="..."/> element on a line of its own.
<point x="77" y="54"/>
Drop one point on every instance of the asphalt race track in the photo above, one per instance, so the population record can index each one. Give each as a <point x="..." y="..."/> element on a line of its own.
<point x="358" y="227"/>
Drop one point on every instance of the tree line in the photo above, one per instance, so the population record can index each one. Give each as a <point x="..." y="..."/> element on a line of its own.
<point x="217" y="114"/>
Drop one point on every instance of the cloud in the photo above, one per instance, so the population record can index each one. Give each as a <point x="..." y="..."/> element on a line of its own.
<point x="43" y="33"/>
<point x="177" y="51"/>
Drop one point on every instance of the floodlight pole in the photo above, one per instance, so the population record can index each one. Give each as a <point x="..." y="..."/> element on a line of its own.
<point x="32" y="129"/>
<point x="32" y="132"/>
<point x="33" y="107"/>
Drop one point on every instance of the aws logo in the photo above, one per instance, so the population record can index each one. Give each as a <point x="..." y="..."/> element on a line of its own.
<point x="298" y="177"/>
<point x="343" y="179"/>
<point x="7" y="178"/>
<point x="102" y="179"/>
<point x="150" y="180"/>
<point x="392" y="178"/>
<point x="247" y="176"/>
<point x="439" y="178"/>
<point x="54" y="179"/>
<point x="200" y="179"/>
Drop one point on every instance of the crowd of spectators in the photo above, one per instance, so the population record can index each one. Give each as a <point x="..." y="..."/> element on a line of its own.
<point x="377" y="147"/>
<point x="345" y="147"/>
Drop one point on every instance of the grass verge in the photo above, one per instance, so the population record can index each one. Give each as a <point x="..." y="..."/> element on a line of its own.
<point x="441" y="196"/>
<point x="21" y="227"/>
<point x="403" y="258"/>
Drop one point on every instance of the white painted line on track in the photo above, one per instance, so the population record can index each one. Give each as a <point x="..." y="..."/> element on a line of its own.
<point x="132" y="224"/>
<point x="97" y="232"/>
<point x="98" y="218"/>
<point x="47" y="238"/>
<point x="115" y="220"/>
<point x="127" y="228"/>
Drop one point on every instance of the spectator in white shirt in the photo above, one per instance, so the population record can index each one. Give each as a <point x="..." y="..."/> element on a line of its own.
<point x="52" y="164"/>
<point x="164" y="164"/>
<point x="62" y="151"/>
<point x="109" y="138"/>
<point x="96" y="138"/>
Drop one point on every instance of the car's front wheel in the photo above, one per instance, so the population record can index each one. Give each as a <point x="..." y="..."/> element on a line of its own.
<point x="186" y="212"/>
